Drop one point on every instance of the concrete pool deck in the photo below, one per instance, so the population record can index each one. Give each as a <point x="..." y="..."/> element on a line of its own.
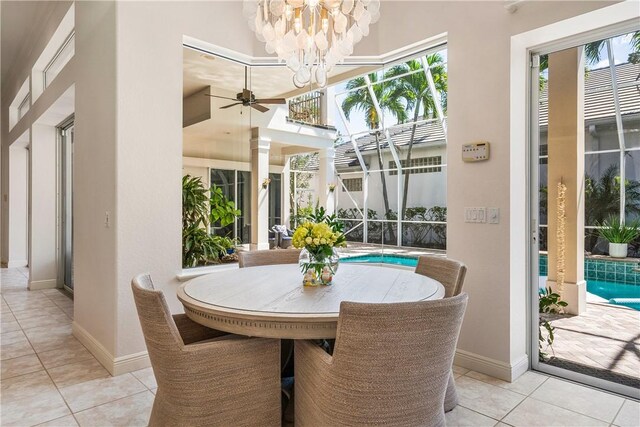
<point x="603" y="342"/>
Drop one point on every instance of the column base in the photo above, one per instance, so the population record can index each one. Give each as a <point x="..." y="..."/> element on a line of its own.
<point x="259" y="246"/>
<point x="575" y="294"/>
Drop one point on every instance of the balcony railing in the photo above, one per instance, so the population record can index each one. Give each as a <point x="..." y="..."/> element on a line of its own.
<point x="307" y="108"/>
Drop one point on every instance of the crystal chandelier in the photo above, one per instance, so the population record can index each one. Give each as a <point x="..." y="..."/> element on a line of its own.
<point x="311" y="36"/>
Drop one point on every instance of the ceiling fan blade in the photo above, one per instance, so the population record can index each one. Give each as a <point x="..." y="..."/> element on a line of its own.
<point x="231" y="105"/>
<point x="221" y="97"/>
<point x="272" y="101"/>
<point x="260" y="108"/>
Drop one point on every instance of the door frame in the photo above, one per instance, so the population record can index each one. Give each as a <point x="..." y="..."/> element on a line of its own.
<point x="603" y="23"/>
<point x="62" y="225"/>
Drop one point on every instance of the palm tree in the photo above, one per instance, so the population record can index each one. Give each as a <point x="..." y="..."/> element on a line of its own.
<point x="414" y="89"/>
<point x="359" y="99"/>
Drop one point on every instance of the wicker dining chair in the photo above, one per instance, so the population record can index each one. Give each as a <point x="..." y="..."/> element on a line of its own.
<point x="206" y="377"/>
<point x="268" y="257"/>
<point x="390" y="366"/>
<point x="451" y="274"/>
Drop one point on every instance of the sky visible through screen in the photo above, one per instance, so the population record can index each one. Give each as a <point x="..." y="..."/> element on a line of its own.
<point x="621" y="48"/>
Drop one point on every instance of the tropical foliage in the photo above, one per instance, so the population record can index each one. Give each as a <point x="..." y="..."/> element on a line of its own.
<point x="198" y="207"/>
<point x="549" y="303"/>
<point x="614" y="231"/>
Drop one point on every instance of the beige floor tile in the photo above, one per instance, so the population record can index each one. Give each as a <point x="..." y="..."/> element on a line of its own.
<point x="463" y="417"/>
<point x="458" y="371"/>
<point x="580" y="399"/>
<point x="130" y="411"/>
<point x="9" y="325"/>
<point x="68" y="421"/>
<point x="533" y="412"/>
<point x="34" y="410"/>
<point x="73" y="352"/>
<point x="487" y="399"/>
<point x="19" y="366"/>
<point x="97" y="392"/>
<point x="629" y="415"/>
<point x="45" y="338"/>
<point x="36" y="304"/>
<point x="525" y="384"/>
<point x="146" y="377"/>
<point x="24" y="386"/>
<point x="76" y="373"/>
<point x="45" y="319"/>
<point x="14" y="344"/>
<point x="154" y="390"/>
<point x="27" y="314"/>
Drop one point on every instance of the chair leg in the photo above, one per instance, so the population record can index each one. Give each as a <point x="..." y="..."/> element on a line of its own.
<point x="451" y="396"/>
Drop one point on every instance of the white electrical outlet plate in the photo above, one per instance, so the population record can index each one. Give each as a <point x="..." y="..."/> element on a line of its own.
<point x="475" y="152"/>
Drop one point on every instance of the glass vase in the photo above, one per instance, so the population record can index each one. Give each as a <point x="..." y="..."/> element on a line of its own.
<point x="318" y="270"/>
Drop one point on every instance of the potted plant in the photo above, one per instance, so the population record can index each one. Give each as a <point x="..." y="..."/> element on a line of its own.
<point x="619" y="235"/>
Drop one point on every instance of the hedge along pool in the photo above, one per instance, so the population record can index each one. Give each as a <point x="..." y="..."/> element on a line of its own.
<point x="615" y="281"/>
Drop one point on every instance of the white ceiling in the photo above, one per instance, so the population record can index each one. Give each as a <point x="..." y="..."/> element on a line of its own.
<point x="19" y="18"/>
<point x="226" y="135"/>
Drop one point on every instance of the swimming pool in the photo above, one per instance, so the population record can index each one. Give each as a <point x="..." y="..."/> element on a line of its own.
<point x="616" y="293"/>
<point x="624" y="294"/>
<point x="383" y="259"/>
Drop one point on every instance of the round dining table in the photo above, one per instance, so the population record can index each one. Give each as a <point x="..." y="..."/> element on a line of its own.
<point x="270" y="301"/>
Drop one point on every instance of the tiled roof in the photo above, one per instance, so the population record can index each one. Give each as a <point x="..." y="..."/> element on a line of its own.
<point x="598" y="94"/>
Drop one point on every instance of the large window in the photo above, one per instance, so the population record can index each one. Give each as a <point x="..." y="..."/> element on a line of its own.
<point x="392" y="155"/>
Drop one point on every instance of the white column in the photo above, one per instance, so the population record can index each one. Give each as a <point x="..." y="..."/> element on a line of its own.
<point x="43" y="229"/>
<point x="259" y="195"/>
<point x="566" y="164"/>
<point x="286" y="192"/>
<point x="327" y="174"/>
<point x="18" y="206"/>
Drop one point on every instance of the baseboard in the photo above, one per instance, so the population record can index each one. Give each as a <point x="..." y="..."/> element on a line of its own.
<point x="15" y="264"/>
<point x="115" y="365"/>
<point x="37" y="285"/>
<point x="131" y="362"/>
<point x="99" y="352"/>
<point x="492" y="367"/>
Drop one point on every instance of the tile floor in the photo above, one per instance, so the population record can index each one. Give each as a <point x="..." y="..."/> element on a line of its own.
<point x="48" y="378"/>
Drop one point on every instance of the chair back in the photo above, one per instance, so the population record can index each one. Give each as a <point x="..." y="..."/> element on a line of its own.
<point x="447" y="271"/>
<point x="160" y="332"/>
<point x="395" y="359"/>
<point x="268" y="257"/>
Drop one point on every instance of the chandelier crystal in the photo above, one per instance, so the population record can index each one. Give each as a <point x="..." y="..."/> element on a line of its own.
<point x="311" y="36"/>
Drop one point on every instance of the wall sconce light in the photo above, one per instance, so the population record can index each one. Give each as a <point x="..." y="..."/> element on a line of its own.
<point x="266" y="183"/>
<point x="332" y="187"/>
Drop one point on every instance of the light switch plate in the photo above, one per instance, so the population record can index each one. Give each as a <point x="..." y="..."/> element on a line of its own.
<point x="475" y="215"/>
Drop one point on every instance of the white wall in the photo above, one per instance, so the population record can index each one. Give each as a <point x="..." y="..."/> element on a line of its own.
<point x="19" y="191"/>
<point x="43" y="269"/>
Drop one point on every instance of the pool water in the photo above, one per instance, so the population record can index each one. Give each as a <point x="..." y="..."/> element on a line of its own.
<point x="609" y="290"/>
<point x="382" y="259"/>
<point x="606" y="290"/>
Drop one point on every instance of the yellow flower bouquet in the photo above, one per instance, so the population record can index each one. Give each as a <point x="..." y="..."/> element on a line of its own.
<point x="318" y="259"/>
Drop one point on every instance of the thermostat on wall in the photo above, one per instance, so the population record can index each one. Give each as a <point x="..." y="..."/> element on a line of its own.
<point x="475" y="152"/>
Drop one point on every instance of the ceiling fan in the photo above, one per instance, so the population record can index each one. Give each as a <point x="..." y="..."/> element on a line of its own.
<point x="246" y="98"/>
